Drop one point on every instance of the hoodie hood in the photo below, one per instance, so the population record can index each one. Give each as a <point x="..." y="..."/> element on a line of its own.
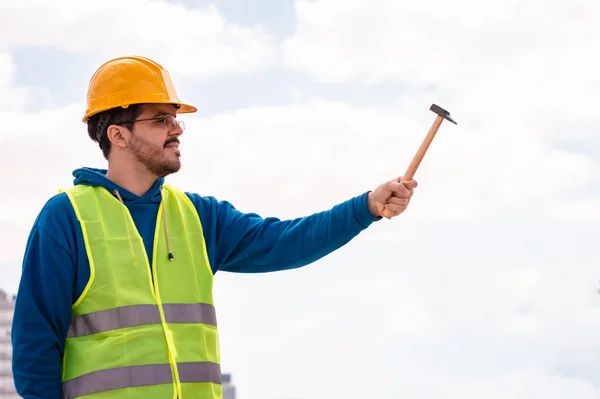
<point x="97" y="177"/>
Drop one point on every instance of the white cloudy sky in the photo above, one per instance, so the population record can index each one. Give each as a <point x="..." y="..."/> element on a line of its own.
<point x="485" y="288"/>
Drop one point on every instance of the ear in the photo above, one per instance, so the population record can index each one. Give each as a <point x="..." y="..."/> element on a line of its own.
<point x="117" y="135"/>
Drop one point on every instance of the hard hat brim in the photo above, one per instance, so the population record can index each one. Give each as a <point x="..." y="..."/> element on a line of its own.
<point x="182" y="109"/>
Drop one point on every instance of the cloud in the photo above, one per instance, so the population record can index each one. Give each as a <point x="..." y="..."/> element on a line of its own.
<point x="432" y="41"/>
<point x="486" y="287"/>
<point x="26" y="138"/>
<point x="526" y="69"/>
<point x="471" y="171"/>
<point x="15" y="98"/>
<point x="197" y="42"/>
<point x="468" y="310"/>
<point x="519" y="78"/>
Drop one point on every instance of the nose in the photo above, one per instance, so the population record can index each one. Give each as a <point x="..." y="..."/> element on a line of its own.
<point x="176" y="129"/>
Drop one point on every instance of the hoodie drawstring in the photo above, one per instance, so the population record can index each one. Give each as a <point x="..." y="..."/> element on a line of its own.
<point x="171" y="257"/>
<point x="166" y="226"/>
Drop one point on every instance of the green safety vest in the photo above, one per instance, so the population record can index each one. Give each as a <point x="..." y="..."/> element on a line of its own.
<point x="136" y="333"/>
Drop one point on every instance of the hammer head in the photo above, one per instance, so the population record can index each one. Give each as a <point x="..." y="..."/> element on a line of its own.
<point x="442" y="112"/>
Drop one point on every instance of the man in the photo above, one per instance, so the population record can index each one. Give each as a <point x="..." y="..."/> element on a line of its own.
<point x="115" y="298"/>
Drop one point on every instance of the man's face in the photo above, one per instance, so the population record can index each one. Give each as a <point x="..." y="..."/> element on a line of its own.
<point x="154" y="145"/>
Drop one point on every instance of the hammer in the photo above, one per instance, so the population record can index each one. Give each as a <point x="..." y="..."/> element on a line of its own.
<point x="412" y="168"/>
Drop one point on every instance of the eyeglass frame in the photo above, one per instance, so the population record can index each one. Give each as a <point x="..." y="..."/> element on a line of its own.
<point x="176" y="122"/>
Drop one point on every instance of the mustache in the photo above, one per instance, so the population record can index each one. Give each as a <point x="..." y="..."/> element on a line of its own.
<point x="173" y="140"/>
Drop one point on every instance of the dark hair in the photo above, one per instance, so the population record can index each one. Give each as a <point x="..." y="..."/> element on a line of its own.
<point x="99" y="123"/>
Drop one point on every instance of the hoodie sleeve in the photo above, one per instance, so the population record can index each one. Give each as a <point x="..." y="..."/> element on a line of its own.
<point x="247" y="243"/>
<point x="43" y="306"/>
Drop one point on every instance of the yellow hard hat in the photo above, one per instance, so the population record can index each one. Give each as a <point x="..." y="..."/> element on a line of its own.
<point x="124" y="81"/>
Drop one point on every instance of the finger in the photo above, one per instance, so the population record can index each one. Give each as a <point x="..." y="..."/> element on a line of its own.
<point x="392" y="186"/>
<point x="407" y="194"/>
<point x="396" y="188"/>
<point x="395" y="200"/>
<point x="401" y="190"/>
<point x="410" y="184"/>
<point x="395" y="209"/>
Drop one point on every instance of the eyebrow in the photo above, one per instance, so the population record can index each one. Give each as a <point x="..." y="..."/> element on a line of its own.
<point x="162" y="114"/>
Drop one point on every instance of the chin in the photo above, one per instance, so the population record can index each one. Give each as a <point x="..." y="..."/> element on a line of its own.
<point x="167" y="168"/>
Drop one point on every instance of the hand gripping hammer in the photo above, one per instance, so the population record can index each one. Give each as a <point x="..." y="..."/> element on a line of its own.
<point x="414" y="165"/>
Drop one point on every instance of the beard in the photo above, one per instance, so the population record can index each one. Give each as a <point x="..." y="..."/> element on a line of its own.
<point x="153" y="157"/>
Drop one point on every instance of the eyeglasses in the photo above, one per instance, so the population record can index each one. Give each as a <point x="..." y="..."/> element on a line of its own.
<point x="169" y="122"/>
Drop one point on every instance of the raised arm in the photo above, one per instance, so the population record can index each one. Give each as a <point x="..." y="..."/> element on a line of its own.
<point x="248" y="243"/>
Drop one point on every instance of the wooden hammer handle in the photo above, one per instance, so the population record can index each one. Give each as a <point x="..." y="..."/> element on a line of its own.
<point x="414" y="165"/>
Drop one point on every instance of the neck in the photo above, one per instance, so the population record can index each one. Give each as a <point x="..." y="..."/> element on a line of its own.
<point x="135" y="180"/>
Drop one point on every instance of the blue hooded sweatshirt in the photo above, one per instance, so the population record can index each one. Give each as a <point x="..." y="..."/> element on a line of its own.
<point x="56" y="269"/>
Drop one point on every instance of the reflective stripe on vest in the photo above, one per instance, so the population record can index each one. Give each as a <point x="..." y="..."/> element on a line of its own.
<point x="139" y="315"/>
<point x="142" y="330"/>
<point x="138" y="376"/>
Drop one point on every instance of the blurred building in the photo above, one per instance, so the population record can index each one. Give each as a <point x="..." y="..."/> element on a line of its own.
<point x="7" y="388"/>
<point x="228" y="387"/>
